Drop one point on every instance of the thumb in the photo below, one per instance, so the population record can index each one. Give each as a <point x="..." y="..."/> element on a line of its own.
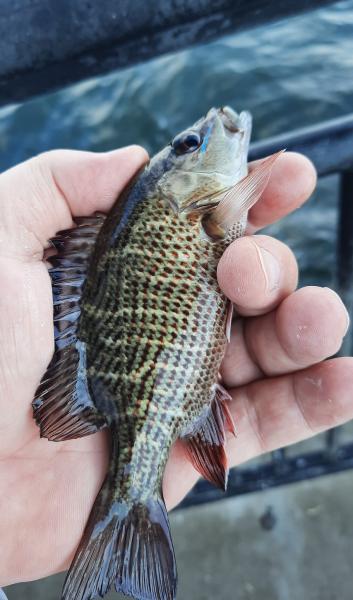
<point x="40" y="196"/>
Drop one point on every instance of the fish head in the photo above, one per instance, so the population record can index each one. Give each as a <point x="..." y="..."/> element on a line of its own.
<point x="203" y="160"/>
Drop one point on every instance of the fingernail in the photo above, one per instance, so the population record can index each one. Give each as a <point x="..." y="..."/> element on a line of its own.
<point x="348" y="319"/>
<point x="271" y="269"/>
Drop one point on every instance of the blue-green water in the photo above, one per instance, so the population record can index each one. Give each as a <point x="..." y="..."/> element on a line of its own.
<point x="289" y="75"/>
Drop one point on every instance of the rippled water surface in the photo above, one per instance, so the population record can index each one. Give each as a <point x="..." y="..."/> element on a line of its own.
<point x="290" y="74"/>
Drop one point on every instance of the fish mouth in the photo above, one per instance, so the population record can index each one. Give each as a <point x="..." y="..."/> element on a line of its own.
<point x="233" y="124"/>
<point x="230" y="119"/>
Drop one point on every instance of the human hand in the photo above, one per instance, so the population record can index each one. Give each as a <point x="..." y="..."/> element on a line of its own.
<point x="47" y="489"/>
<point x="283" y="390"/>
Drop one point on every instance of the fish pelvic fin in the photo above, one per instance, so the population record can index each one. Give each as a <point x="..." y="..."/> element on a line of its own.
<point x="206" y="445"/>
<point x="63" y="407"/>
<point x="234" y="204"/>
<point x="126" y="544"/>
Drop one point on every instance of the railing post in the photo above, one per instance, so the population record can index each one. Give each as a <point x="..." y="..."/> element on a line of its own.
<point x="344" y="279"/>
<point x="279" y="461"/>
<point x="345" y="250"/>
<point x="332" y="438"/>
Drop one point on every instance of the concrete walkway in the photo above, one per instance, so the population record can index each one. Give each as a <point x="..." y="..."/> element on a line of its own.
<point x="224" y="553"/>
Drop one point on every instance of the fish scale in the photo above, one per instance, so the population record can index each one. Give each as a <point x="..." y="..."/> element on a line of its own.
<point x="157" y="284"/>
<point x="140" y="329"/>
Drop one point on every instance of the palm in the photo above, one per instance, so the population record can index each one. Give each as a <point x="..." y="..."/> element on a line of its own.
<point x="47" y="489"/>
<point x="37" y="477"/>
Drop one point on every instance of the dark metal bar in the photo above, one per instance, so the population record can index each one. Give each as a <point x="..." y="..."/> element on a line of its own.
<point x="309" y="466"/>
<point x="46" y="44"/>
<point x="332" y="437"/>
<point x="329" y="145"/>
<point x="345" y="249"/>
<point x="279" y="461"/>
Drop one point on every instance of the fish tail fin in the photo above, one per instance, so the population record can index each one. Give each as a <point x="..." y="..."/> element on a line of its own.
<point x="126" y="544"/>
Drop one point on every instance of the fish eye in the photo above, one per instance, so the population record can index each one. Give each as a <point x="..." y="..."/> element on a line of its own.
<point x="186" y="142"/>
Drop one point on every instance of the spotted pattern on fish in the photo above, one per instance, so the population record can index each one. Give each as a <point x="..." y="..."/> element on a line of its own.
<point x="153" y="320"/>
<point x="140" y="329"/>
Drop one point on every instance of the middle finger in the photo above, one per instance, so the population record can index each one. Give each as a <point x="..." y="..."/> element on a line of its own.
<point x="306" y="328"/>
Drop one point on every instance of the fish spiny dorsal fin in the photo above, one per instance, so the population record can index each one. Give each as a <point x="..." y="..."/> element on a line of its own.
<point x="206" y="445"/>
<point x="62" y="406"/>
<point x="235" y="202"/>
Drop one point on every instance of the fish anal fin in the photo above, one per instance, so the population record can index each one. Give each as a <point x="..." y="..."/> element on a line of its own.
<point x="206" y="444"/>
<point x="237" y="201"/>
<point x="63" y="406"/>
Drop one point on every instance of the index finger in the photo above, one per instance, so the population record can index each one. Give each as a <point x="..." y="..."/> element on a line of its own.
<point x="292" y="181"/>
<point x="40" y="196"/>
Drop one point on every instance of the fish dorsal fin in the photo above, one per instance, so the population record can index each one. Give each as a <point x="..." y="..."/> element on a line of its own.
<point x="206" y="445"/>
<point x="235" y="202"/>
<point x="62" y="406"/>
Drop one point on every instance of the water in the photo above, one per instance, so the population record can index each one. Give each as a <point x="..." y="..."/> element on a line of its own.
<point x="290" y="74"/>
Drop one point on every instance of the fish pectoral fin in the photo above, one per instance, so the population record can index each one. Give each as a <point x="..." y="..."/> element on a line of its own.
<point x="235" y="202"/>
<point x="63" y="407"/>
<point x="206" y="446"/>
<point x="127" y="545"/>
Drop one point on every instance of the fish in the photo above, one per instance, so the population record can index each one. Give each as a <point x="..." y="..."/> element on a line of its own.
<point x="141" y="327"/>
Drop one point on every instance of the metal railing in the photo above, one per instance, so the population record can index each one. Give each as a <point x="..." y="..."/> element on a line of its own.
<point x="84" y="39"/>
<point x="46" y="44"/>
<point x="278" y="471"/>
